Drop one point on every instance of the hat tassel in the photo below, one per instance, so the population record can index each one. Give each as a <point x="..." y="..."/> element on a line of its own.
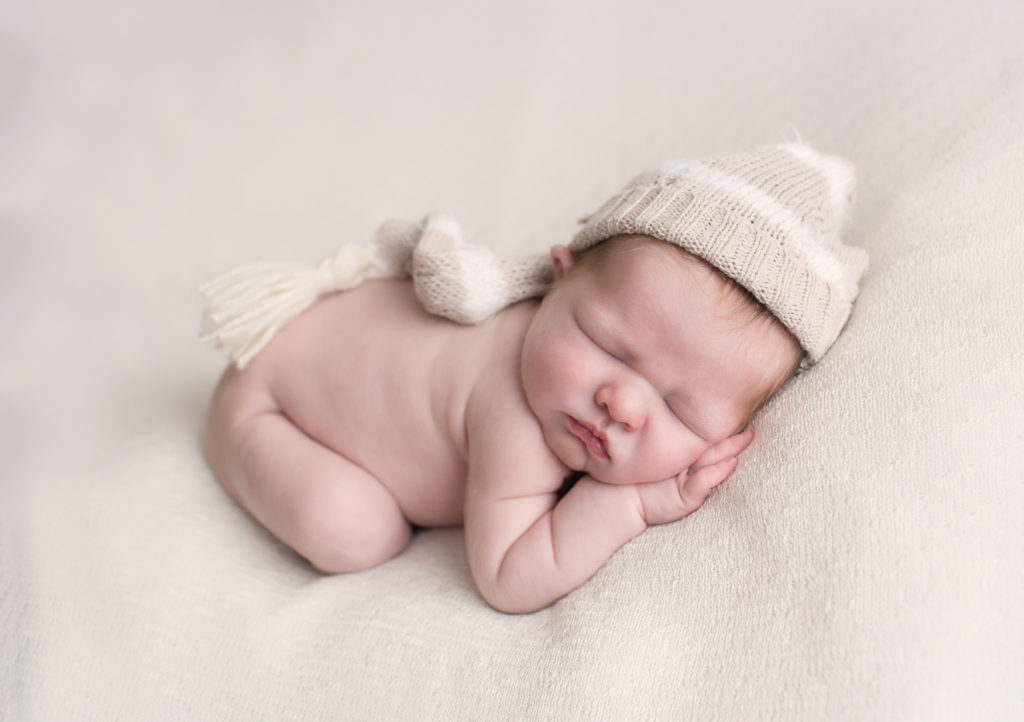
<point x="245" y="307"/>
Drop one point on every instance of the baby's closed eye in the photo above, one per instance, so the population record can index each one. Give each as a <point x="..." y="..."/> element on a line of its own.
<point x="604" y="346"/>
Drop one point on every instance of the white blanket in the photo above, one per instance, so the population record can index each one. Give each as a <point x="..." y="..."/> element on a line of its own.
<point x="866" y="561"/>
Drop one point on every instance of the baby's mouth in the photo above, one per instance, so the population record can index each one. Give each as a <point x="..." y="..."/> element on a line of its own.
<point x="596" y="442"/>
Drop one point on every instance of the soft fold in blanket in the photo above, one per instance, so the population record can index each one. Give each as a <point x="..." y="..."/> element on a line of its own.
<point x="865" y="562"/>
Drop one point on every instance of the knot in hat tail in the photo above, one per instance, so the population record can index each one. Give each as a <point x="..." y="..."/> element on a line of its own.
<point x="468" y="283"/>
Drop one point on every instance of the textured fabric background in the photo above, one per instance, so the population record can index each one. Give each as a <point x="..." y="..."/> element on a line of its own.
<point x="866" y="561"/>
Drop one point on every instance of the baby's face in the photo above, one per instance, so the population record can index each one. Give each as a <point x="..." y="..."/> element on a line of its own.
<point x="633" y="369"/>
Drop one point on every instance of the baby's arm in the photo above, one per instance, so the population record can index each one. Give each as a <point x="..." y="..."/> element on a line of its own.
<point x="525" y="550"/>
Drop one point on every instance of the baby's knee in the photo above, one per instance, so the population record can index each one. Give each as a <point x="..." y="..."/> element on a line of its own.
<point x="337" y="540"/>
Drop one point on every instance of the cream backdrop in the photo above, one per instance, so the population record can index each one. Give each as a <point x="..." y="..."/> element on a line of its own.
<point x="866" y="562"/>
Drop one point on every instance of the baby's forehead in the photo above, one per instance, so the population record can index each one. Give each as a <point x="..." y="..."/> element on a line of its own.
<point x="646" y="261"/>
<point x="651" y="257"/>
<point x="643" y="265"/>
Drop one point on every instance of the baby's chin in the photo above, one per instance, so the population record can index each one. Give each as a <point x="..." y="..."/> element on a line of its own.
<point x="611" y="474"/>
<point x="622" y="477"/>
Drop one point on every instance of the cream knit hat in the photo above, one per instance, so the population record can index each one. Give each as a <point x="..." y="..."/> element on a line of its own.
<point x="769" y="220"/>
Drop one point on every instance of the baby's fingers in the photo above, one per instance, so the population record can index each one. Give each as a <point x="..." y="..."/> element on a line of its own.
<point x="695" y="488"/>
<point x="724" y="449"/>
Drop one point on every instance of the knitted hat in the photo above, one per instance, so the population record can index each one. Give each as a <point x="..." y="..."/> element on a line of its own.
<point x="769" y="220"/>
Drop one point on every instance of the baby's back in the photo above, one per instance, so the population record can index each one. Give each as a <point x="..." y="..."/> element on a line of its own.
<point x="373" y="377"/>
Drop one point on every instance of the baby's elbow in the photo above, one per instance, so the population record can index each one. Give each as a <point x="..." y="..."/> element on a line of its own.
<point x="511" y="605"/>
<point x="513" y="598"/>
<point x="507" y="580"/>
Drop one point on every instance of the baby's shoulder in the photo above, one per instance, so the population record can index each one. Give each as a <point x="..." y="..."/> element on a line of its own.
<point x="506" y="447"/>
<point x="497" y="397"/>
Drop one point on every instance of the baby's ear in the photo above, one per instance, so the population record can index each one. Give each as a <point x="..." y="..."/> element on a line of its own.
<point x="562" y="260"/>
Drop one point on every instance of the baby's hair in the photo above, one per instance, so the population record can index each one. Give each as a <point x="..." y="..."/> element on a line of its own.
<point x="741" y="306"/>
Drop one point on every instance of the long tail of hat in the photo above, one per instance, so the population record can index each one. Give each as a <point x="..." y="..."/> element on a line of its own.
<point x="467" y="284"/>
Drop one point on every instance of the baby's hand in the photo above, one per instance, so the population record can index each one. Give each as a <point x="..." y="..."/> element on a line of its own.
<point x="675" y="498"/>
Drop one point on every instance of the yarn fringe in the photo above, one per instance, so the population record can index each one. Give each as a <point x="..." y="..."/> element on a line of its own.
<point x="245" y="307"/>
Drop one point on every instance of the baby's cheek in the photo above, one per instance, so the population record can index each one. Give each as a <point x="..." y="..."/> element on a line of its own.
<point x="545" y="374"/>
<point x="561" y="366"/>
<point x="676" y="453"/>
<point x="564" y="373"/>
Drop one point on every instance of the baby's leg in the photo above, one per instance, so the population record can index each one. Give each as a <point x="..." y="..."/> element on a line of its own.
<point x="319" y="503"/>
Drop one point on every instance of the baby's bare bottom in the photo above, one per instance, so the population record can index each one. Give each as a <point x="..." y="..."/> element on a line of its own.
<point x="316" y="501"/>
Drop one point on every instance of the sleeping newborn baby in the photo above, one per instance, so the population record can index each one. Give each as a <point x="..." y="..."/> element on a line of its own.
<point x="631" y="360"/>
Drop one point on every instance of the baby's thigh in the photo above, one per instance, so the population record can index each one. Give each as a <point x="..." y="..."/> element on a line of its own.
<point x="328" y="509"/>
<point x="324" y="506"/>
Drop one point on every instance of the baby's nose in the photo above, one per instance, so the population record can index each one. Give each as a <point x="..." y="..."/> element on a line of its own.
<point x="623" y="404"/>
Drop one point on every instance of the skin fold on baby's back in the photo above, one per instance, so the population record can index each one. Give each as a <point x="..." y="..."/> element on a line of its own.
<point x="372" y="376"/>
